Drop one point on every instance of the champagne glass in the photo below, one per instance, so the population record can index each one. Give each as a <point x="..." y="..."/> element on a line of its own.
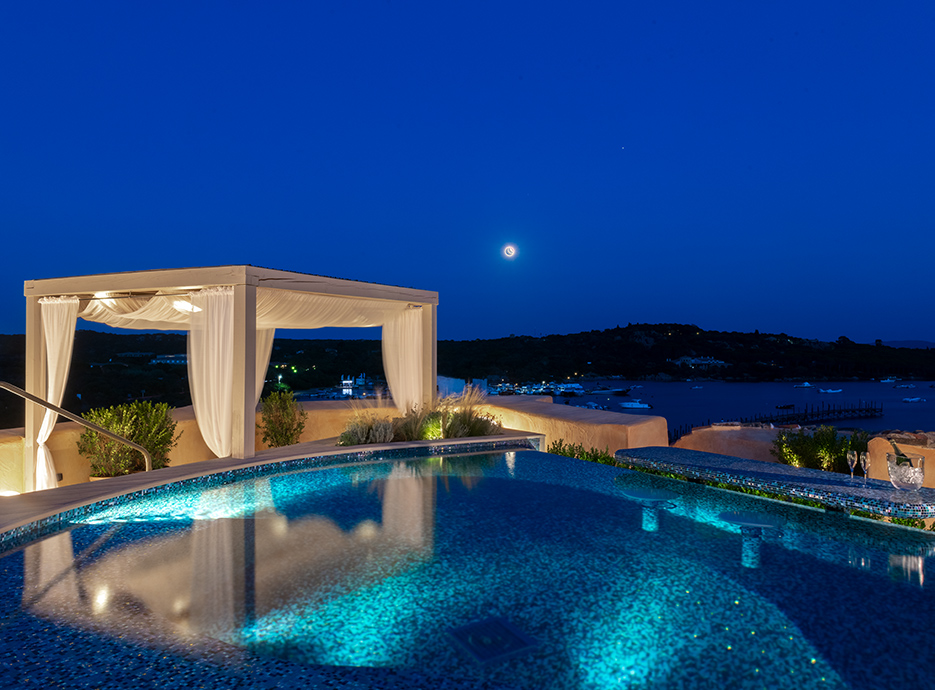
<point x="865" y="464"/>
<point x="852" y="461"/>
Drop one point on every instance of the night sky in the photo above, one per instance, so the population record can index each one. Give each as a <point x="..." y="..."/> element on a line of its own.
<point x="735" y="165"/>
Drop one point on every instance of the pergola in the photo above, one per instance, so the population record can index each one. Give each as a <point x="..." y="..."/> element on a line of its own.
<point x="231" y="314"/>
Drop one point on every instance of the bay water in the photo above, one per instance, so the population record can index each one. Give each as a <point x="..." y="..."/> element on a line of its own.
<point x="695" y="403"/>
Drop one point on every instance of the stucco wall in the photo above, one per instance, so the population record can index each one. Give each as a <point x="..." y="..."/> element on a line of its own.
<point x="590" y="428"/>
<point x="750" y="443"/>
<point x="11" y="460"/>
<point x="326" y="419"/>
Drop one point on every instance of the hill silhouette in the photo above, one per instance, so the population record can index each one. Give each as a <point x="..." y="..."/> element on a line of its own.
<point x="110" y="368"/>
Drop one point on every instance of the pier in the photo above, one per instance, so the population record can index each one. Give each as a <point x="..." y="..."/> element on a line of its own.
<point x="810" y="414"/>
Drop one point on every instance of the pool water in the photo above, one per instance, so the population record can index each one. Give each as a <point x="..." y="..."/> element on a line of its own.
<point x="506" y="570"/>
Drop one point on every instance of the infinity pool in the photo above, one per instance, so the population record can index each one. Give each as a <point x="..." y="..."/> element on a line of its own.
<point x="504" y="570"/>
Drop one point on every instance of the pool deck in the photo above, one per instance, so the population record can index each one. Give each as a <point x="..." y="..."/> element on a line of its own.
<point x="835" y="491"/>
<point x="25" y="509"/>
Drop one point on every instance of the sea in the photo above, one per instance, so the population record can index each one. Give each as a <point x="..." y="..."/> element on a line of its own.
<point x="696" y="403"/>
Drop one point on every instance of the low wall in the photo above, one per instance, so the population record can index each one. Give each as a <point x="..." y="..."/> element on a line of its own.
<point x="750" y="443"/>
<point x="754" y="444"/>
<point x="327" y="419"/>
<point x="590" y="428"/>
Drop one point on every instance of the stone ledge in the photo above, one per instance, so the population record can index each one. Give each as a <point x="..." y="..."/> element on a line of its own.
<point x="835" y="491"/>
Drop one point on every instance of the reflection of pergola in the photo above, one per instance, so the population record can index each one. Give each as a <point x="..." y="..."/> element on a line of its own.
<point x="230" y="313"/>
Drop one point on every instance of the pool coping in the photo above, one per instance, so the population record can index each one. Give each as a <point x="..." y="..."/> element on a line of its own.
<point x="27" y="516"/>
<point x="834" y="491"/>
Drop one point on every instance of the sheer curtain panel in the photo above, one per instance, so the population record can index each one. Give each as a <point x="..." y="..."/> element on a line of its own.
<point x="402" y="357"/>
<point x="211" y="365"/>
<point x="59" y="316"/>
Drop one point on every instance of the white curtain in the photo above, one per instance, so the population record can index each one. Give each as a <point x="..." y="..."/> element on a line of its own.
<point x="208" y="315"/>
<point x="264" y="349"/>
<point x="160" y="312"/>
<point x="402" y="358"/>
<point x="59" y="315"/>
<point x="211" y="365"/>
<point x="285" y="309"/>
<point x="274" y="309"/>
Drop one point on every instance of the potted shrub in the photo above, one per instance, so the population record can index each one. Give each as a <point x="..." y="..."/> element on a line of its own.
<point x="283" y="419"/>
<point x="142" y="422"/>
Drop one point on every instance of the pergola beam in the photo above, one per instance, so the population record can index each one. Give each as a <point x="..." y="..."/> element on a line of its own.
<point x="188" y="279"/>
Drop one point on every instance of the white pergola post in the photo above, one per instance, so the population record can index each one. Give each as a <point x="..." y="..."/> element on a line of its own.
<point x="429" y="352"/>
<point x="243" y="424"/>
<point x="36" y="367"/>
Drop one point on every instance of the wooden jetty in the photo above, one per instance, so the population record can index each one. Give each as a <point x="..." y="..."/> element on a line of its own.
<point x="810" y="414"/>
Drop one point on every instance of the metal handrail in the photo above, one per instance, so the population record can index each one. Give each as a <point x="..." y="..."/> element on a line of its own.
<point x="75" y="418"/>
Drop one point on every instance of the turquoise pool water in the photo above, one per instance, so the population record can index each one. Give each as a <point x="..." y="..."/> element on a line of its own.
<point x="501" y="570"/>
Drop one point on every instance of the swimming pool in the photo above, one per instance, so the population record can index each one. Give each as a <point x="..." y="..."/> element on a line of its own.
<point x="511" y="569"/>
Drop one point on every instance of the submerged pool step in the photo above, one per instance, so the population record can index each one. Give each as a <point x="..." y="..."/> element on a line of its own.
<point x="492" y="640"/>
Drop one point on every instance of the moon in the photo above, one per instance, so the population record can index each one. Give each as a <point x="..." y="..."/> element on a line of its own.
<point x="510" y="251"/>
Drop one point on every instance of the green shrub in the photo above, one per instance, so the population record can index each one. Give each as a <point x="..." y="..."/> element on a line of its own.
<point x="419" y="424"/>
<point x="282" y="419"/>
<point x="577" y="450"/>
<point x="461" y="417"/>
<point x="453" y="417"/>
<point x="362" y="430"/>
<point x="822" y="450"/>
<point x="141" y="422"/>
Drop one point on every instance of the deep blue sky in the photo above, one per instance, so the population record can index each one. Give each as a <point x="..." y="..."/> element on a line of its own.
<point x="736" y="165"/>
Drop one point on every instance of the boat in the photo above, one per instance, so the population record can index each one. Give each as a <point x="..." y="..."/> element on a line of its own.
<point x="913" y="400"/>
<point x="891" y="379"/>
<point x="905" y="385"/>
<point x="790" y="406"/>
<point x="697" y="388"/>
<point x="829" y="390"/>
<point x="635" y="404"/>
<point x="610" y="391"/>
<point x="804" y="384"/>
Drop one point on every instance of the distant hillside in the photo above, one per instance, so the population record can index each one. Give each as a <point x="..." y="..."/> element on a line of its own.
<point x="109" y="368"/>
<point x="916" y="344"/>
<point x="678" y="351"/>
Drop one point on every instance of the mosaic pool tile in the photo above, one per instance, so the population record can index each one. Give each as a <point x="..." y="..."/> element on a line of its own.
<point x="836" y="491"/>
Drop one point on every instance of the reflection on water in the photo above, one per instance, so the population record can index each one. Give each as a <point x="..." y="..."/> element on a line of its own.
<point x="907" y="568"/>
<point x="217" y="577"/>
